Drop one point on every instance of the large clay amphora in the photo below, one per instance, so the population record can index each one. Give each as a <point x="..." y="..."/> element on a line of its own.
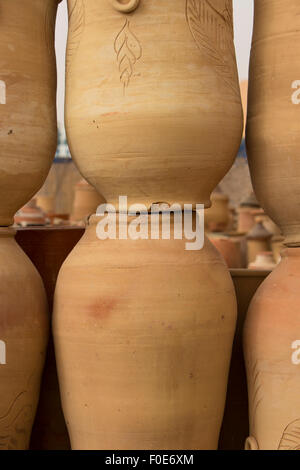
<point x="23" y="342"/>
<point x="153" y="108"/>
<point x="143" y="333"/>
<point x="273" y="128"/>
<point x="272" y="354"/>
<point x="27" y="100"/>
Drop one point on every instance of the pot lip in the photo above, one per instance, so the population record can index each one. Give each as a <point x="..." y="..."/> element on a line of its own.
<point x="7" y="231"/>
<point x="92" y="219"/>
<point x="290" y="252"/>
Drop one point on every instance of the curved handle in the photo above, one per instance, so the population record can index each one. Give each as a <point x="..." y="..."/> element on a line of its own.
<point x="125" y="6"/>
<point x="251" y="443"/>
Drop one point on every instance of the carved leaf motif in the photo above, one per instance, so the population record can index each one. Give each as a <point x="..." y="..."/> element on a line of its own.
<point x="15" y="423"/>
<point x="129" y="51"/>
<point x="211" y="25"/>
<point x="291" y="437"/>
<point x="76" y="27"/>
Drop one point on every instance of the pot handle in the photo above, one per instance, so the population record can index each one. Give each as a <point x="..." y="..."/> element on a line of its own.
<point x="251" y="443"/>
<point x="126" y="6"/>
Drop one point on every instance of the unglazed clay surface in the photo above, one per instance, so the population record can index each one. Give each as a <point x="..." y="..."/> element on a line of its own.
<point x="272" y="354"/>
<point x="153" y="107"/>
<point x="23" y="333"/>
<point x="27" y="100"/>
<point x="143" y="335"/>
<point x="273" y="127"/>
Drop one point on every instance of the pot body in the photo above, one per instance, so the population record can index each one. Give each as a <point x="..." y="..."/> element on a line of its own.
<point x="153" y="107"/>
<point x="273" y="128"/>
<point x="23" y="342"/>
<point x="27" y="101"/>
<point x="143" y="335"/>
<point x="272" y="354"/>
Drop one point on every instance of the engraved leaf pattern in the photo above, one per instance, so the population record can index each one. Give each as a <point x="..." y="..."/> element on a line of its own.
<point x="211" y="25"/>
<point x="76" y="27"/>
<point x="15" y="423"/>
<point x="291" y="437"/>
<point x="129" y="51"/>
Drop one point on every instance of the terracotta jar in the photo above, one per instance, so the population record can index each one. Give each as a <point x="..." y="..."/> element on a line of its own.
<point x="143" y="333"/>
<point x="277" y="246"/>
<point x="28" y="100"/>
<point x="30" y="215"/>
<point x="86" y="201"/>
<point x="23" y="342"/>
<point x="263" y="260"/>
<point x="46" y="203"/>
<point x="230" y="249"/>
<point x="273" y="129"/>
<point x="153" y="107"/>
<point x="218" y="216"/>
<point x="272" y="354"/>
<point x="258" y="240"/>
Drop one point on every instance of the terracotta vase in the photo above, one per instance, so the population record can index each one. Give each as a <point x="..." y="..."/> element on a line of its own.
<point x="143" y="334"/>
<point x="153" y="107"/>
<point x="27" y="100"/>
<point x="258" y="240"/>
<point x="23" y="342"/>
<point x="218" y="216"/>
<point x="273" y="129"/>
<point x="86" y="201"/>
<point x="272" y="354"/>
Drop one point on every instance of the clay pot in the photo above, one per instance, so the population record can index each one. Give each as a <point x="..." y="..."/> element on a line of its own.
<point x="258" y="240"/>
<point x="264" y="261"/>
<point x="230" y="250"/>
<point x="217" y="217"/>
<point x="272" y="354"/>
<point x="86" y="201"/>
<point x="28" y="101"/>
<point x="153" y="107"/>
<point x="246" y="219"/>
<point x="277" y="246"/>
<point x="23" y="340"/>
<point x="46" y="203"/>
<point x="143" y="334"/>
<point x="30" y="215"/>
<point x="273" y="129"/>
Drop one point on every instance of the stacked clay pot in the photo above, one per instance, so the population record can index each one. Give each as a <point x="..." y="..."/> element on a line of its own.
<point x="24" y="335"/>
<point x="153" y="107"/>
<point x="272" y="354"/>
<point x="273" y="127"/>
<point x="143" y="328"/>
<point x="273" y="132"/>
<point x="28" y="105"/>
<point x="27" y="147"/>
